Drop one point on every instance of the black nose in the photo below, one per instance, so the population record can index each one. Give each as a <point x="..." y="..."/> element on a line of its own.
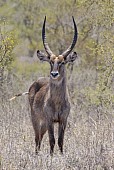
<point x="54" y="74"/>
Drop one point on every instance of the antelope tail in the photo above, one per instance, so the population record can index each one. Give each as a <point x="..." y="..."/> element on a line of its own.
<point x="17" y="95"/>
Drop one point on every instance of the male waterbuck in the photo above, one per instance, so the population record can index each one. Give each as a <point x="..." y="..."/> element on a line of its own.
<point x="48" y="97"/>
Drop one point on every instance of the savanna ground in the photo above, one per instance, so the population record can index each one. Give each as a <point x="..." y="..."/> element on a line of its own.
<point x="89" y="140"/>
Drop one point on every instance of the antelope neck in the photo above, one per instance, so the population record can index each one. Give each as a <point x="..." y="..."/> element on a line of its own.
<point x="58" y="90"/>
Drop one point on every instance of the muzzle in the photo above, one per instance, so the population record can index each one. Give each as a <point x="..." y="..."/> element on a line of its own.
<point x="54" y="74"/>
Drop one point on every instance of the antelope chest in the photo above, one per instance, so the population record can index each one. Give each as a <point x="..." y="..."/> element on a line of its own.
<point x="61" y="111"/>
<point x="57" y="112"/>
<point x="54" y="109"/>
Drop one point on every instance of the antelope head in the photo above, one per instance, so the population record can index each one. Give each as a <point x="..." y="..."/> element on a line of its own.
<point x="57" y="63"/>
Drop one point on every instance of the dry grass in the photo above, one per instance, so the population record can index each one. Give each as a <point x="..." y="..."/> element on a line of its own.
<point x="88" y="144"/>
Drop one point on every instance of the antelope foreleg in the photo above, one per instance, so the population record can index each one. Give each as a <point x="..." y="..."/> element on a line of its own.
<point x="61" y="130"/>
<point x="51" y="137"/>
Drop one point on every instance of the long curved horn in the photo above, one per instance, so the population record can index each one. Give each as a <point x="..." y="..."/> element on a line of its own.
<point x="70" y="48"/>
<point x="49" y="52"/>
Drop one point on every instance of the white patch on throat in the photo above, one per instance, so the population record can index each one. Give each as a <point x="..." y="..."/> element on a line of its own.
<point x="56" y="81"/>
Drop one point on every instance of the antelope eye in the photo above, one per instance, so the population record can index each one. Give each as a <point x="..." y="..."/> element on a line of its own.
<point x="51" y="62"/>
<point x="60" y="63"/>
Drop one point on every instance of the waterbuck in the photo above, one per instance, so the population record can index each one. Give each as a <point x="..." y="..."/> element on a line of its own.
<point x="48" y="98"/>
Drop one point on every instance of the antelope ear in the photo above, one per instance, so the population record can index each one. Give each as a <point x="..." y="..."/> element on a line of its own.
<point x="71" y="57"/>
<point x="42" y="56"/>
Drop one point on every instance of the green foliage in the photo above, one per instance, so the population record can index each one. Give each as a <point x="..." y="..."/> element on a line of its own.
<point x="8" y="42"/>
<point x="7" y="45"/>
<point x="27" y="69"/>
<point x="99" y="97"/>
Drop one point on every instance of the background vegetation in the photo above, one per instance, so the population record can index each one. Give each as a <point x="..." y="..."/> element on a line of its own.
<point x="89" y="137"/>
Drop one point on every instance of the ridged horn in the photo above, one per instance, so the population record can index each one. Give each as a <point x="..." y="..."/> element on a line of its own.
<point x="70" y="48"/>
<point x="47" y="49"/>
